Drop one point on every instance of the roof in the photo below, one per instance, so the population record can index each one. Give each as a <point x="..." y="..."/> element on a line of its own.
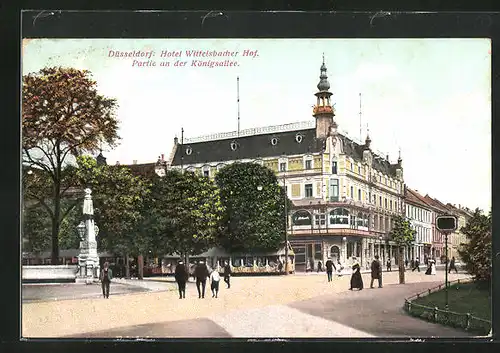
<point x="260" y="146"/>
<point x="436" y="204"/>
<point x="145" y="169"/>
<point x="414" y="197"/>
<point x="250" y="147"/>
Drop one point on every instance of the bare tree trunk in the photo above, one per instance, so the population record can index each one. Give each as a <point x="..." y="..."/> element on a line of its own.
<point x="140" y="267"/>
<point x="55" y="240"/>
<point x="401" y="266"/>
<point x="127" y="267"/>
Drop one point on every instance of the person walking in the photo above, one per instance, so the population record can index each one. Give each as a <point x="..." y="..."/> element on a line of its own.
<point x="356" y="279"/>
<point x="339" y="268"/>
<point x="105" y="277"/>
<point x="389" y="265"/>
<point x="452" y="265"/>
<point x="227" y="274"/>
<point x="406" y="263"/>
<point x="320" y="266"/>
<point x="181" y="277"/>
<point x="201" y="274"/>
<point x="376" y="270"/>
<point x="329" y="269"/>
<point x="214" y="282"/>
<point x="416" y="265"/>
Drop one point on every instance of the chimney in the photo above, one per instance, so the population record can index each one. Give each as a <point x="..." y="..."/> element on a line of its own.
<point x="117" y="162"/>
<point x="176" y="140"/>
<point x="387" y="157"/>
<point x="162" y="157"/>
<point x="134" y="161"/>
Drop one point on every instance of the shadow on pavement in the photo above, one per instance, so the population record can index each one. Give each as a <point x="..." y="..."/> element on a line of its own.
<point x="377" y="311"/>
<point x="198" y="328"/>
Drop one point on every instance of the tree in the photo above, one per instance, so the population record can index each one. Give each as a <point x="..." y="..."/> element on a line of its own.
<point x="184" y="213"/>
<point x="403" y="235"/>
<point x="119" y="205"/>
<point x="254" y="201"/>
<point x="63" y="116"/>
<point x="477" y="252"/>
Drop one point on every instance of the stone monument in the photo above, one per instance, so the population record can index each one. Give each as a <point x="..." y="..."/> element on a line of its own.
<point x="88" y="260"/>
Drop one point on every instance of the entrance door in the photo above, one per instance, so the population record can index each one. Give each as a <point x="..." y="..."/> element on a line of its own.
<point x="335" y="253"/>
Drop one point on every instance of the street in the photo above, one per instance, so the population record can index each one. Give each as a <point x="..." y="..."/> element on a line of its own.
<point x="293" y="306"/>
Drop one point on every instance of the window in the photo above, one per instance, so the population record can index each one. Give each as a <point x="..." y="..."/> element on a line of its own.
<point x="390" y="203"/>
<point x="359" y="169"/>
<point x="339" y="216"/>
<point x="189" y="150"/>
<point x="369" y="196"/>
<point x="380" y="201"/>
<point x="385" y="202"/>
<point x="352" y="167"/>
<point x="334" y="167"/>
<point x="318" y="254"/>
<point x="234" y="146"/>
<point x="298" y="138"/>
<point x="352" y="192"/>
<point x="308" y="164"/>
<point x="359" y="220"/>
<point x="274" y="141"/>
<point x="206" y="173"/>
<point x="352" y="221"/>
<point x="359" y="194"/>
<point x="308" y="190"/>
<point x="334" y="189"/>
<point x="319" y="220"/>
<point x="283" y="167"/>
<point x="350" y="249"/>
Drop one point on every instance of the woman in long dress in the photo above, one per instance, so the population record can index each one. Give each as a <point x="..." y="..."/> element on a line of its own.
<point x="356" y="279"/>
<point x="433" y="267"/>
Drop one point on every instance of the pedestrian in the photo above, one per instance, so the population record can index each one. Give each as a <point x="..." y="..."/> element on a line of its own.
<point x="452" y="265"/>
<point x="376" y="270"/>
<point x="406" y="263"/>
<point x="280" y="265"/>
<point x="416" y="265"/>
<point x="320" y="266"/>
<point x="105" y="278"/>
<point x="214" y="282"/>
<point x="340" y="268"/>
<point x="181" y="277"/>
<point x="429" y="268"/>
<point x="227" y="274"/>
<point x="389" y="265"/>
<point x="329" y="269"/>
<point x="201" y="274"/>
<point x="356" y="279"/>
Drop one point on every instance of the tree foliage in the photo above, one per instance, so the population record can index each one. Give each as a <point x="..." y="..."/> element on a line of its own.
<point x="184" y="213"/>
<point x="63" y="115"/>
<point x="403" y="234"/>
<point x="36" y="229"/>
<point x="477" y="252"/>
<point x="254" y="202"/>
<point x="119" y="199"/>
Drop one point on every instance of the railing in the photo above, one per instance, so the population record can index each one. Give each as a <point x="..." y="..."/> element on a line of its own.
<point x="446" y="317"/>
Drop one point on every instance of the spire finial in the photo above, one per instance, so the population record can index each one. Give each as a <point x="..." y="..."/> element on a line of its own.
<point x="323" y="57"/>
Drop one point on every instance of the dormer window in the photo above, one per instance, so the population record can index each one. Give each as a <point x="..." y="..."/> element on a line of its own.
<point x="234" y="146"/>
<point x="298" y="138"/>
<point x="274" y="141"/>
<point x="189" y="150"/>
<point x="206" y="171"/>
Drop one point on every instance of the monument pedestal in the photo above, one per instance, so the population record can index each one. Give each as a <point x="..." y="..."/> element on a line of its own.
<point x="88" y="263"/>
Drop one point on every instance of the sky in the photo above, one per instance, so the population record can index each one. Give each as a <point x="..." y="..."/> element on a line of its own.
<point x="429" y="98"/>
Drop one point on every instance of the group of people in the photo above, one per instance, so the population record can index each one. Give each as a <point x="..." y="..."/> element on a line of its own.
<point x="201" y="274"/>
<point x="376" y="274"/>
<point x="330" y="267"/>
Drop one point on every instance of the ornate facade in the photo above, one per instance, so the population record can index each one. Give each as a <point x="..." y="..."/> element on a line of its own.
<point x="344" y="194"/>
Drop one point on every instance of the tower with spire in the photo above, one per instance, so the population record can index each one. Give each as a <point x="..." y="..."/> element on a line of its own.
<point x="323" y="110"/>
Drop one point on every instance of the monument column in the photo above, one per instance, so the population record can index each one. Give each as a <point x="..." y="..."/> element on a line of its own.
<point x="88" y="260"/>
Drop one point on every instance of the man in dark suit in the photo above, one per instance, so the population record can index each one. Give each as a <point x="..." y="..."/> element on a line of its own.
<point x="181" y="277"/>
<point x="201" y="273"/>
<point x="227" y="274"/>
<point x="329" y="269"/>
<point x="376" y="272"/>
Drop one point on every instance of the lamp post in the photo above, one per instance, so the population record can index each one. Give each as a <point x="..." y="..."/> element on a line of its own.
<point x="446" y="271"/>
<point x="344" y="252"/>
<point x="380" y="247"/>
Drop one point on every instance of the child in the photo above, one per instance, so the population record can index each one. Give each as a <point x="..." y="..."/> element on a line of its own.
<point x="214" y="282"/>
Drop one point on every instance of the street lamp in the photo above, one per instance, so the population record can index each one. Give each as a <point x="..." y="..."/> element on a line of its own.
<point x="81" y="230"/>
<point x="380" y="247"/>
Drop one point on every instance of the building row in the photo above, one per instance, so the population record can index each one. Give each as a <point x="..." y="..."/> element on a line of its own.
<point x="345" y="195"/>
